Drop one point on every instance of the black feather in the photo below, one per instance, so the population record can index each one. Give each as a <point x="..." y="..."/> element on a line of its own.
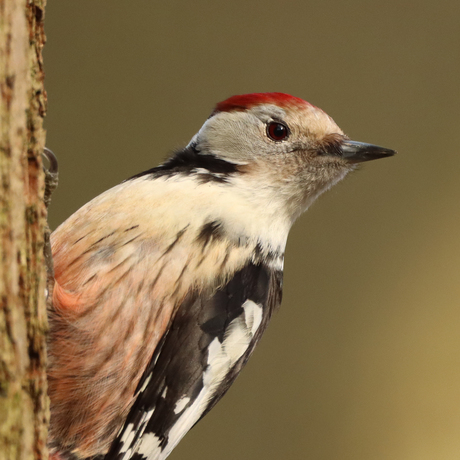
<point x="177" y="367"/>
<point x="188" y="161"/>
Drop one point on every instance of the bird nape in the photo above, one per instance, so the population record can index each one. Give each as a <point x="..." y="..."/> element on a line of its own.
<point x="165" y="283"/>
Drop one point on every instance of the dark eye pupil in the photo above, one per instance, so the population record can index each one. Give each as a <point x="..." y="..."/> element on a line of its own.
<point x="277" y="131"/>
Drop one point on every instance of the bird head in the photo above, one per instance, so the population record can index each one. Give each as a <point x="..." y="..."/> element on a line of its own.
<point x="282" y="144"/>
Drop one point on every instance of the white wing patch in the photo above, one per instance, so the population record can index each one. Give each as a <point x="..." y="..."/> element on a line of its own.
<point x="252" y="315"/>
<point x="147" y="381"/>
<point x="149" y="447"/>
<point x="222" y="356"/>
<point x="127" y="437"/>
<point x="180" y="405"/>
<point x="131" y="431"/>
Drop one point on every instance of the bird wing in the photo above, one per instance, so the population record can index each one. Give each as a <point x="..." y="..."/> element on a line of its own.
<point x="116" y="286"/>
<point x="203" y="350"/>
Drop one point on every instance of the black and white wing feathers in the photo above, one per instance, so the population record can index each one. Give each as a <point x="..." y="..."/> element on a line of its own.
<point x="207" y="344"/>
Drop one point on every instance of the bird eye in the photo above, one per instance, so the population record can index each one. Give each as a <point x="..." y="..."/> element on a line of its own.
<point x="276" y="131"/>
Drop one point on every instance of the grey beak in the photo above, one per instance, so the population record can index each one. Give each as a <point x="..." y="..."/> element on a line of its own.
<point x="357" y="152"/>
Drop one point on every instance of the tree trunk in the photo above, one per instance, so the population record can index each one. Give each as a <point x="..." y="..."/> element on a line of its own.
<point x="23" y="322"/>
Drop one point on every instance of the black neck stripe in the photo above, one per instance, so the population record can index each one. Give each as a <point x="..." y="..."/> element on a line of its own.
<point x="187" y="162"/>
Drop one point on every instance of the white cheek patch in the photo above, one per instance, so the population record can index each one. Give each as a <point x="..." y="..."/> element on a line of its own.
<point x="222" y="356"/>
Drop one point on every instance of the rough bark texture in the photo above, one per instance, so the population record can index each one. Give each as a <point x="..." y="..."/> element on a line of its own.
<point x="23" y="401"/>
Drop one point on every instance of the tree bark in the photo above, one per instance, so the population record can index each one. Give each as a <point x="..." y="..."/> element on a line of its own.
<point x="23" y="321"/>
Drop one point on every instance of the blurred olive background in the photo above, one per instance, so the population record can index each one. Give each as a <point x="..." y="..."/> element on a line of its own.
<point x="363" y="359"/>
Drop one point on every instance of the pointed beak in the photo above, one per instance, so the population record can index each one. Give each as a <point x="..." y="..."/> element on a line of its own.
<point x="357" y="152"/>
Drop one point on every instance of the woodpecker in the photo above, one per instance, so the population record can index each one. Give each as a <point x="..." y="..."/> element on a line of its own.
<point x="165" y="283"/>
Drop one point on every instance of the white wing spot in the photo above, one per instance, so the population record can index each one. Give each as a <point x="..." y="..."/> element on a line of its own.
<point x="252" y="315"/>
<point x="236" y="341"/>
<point x="127" y="454"/>
<point x="180" y="405"/>
<point x="149" y="446"/>
<point x="127" y="437"/>
<point x="146" y="382"/>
